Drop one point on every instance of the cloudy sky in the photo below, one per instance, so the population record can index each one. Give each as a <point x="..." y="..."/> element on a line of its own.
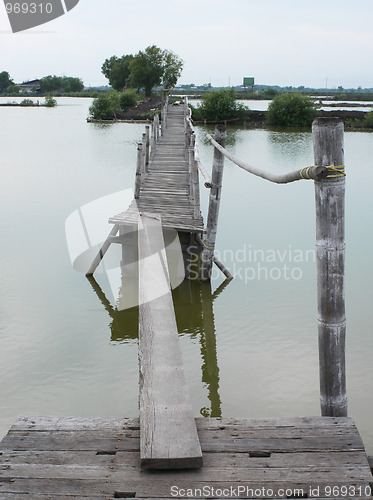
<point x="284" y="42"/>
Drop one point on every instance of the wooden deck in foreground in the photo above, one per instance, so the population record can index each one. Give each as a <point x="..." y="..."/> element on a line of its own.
<point x="97" y="458"/>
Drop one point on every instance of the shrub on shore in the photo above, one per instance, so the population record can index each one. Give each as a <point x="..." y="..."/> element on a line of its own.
<point x="50" y="102"/>
<point x="128" y="99"/>
<point x="368" y="120"/>
<point x="27" y="102"/>
<point x="291" y="110"/>
<point x="220" y="105"/>
<point x="105" y="106"/>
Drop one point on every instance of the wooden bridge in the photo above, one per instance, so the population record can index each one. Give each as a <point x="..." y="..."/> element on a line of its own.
<point x="61" y="457"/>
<point x="167" y="179"/>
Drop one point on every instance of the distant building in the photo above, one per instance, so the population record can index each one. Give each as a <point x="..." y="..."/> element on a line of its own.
<point x="30" y="86"/>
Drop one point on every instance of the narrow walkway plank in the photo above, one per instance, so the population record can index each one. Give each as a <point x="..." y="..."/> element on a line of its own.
<point x="166" y="186"/>
<point x="168" y="433"/>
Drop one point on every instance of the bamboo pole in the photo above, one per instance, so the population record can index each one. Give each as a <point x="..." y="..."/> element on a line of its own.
<point x="195" y="180"/>
<point x="147" y="146"/>
<point x="102" y="251"/>
<point x="143" y="162"/>
<point x="164" y="116"/>
<point x="213" y="214"/>
<point x="138" y="170"/>
<point x="330" y="251"/>
<point x="156" y="126"/>
<point x="215" y="260"/>
<point x="153" y="139"/>
<point x="192" y="194"/>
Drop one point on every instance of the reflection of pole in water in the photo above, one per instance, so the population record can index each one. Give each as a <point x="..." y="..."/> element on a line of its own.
<point x="210" y="368"/>
<point x="124" y="324"/>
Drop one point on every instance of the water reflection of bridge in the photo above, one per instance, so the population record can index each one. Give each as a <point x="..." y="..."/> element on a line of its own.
<point x="194" y="310"/>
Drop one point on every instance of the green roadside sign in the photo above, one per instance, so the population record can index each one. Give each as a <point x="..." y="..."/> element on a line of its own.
<point x="248" y="81"/>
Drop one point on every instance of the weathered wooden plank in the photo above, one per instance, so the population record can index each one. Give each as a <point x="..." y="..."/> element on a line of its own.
<point x="256" y="490"/>
<point x="168" y="434"/>
<point x="111" y="473"/>
<point x="80" y="488"/>
<point x="115" y="473"/>
<point x="238" y="462"/>
<point x="53" y="423"/>
<point x="235" y="467"/>
<point x="275" y="424"/>
<point x="211" y="441"/>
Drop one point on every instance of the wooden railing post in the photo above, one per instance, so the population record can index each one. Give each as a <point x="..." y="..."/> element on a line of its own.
<point x="191" y="161"/>
<point x="194" y="176"/>
<point x="156" y="126"/>
<point x="147" y="146"/>
<point x="213" y="214"/>
<point x="153" y="138"/>
<point x="143" y="164"/>
<point x="330" y="251"/>
<point x="164" y="116"/>
<point x="138" y="170"/>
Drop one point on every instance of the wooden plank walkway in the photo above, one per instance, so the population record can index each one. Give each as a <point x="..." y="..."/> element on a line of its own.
<point x="168" y="434"/>
<point x="97" y="458"/>
<point x="165" y="188"/>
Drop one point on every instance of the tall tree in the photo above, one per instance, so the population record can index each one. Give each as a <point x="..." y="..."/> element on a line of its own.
<point x="117" y="70"/>
<point x="147" y="69"/>
<point x="155" y="66"/>
<point x="5" y="81"/>
<point x="173" y="67"/>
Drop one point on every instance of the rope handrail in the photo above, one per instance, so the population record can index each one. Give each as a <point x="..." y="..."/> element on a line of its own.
<point x="313" y="173"/>
<point x="202" y="169"/>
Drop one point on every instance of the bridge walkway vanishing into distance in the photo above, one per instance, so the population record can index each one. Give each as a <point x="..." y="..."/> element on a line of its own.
<point x="168" y="184"/>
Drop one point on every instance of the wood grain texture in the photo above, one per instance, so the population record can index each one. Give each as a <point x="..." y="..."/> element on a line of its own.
<point x="98" y="458"/>
<point x="168" y="434"/>
<point x="330" y="252"/>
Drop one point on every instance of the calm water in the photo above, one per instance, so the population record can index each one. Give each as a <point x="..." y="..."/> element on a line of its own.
<point x="250" y="348"/>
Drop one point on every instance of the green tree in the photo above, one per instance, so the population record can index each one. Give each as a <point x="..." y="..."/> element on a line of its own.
<point x="117" y="71"/>
<point x="173" y="67"/>
<point x="50" y="102"/>
<point x="220" y="105"/>
<point x="127" y="99"/>
<point x="50" y="84"/>
<point x="154" y="66"/>
<point x="13" y="90"/>
<point x="105" y="106"/>
<point x="5" y="81"/>
<point x="71" y="84"/>
<point x="147" y="69"/>
<point x="291" y="110"/>
<point x="368" y="120"/>
<point x="60" y="84"/>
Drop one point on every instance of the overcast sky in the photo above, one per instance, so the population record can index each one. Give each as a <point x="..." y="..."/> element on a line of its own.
<point x="279" y="42"/>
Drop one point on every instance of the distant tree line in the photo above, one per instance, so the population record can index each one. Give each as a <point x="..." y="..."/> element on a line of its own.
<point x="48" y="84"/>
<point x="63" y="84"/>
